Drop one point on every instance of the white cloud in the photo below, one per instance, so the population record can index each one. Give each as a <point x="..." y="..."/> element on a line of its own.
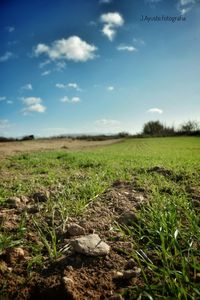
<point x="34" y="108"/>
<point x="75" y="100"/>
<point x="105" y="1"/>
<point x="114" y="19"/>
<point x="155" y="110"/>
<point x="10" y="28"/>
<point x="110" y="88"/>
<point x="2" y="98"/>
<point x="109" y="31"/>
<point x="33" y="104"/>
<point x="111" y="22"/>
<point x="72" y="48"/>
<point x="65" y="99"/>
<point x="72" y="85"/>
<point x="44" y="63"/>
<point x="4" y="124"/>
<point x="27" y="87"/>
<point x="123" y="47"/>
<point x="60" y="86"/>
<point x="184" y="6"/>
<point x="60" y="65"/>
<point x="6" y="56"/>
<point x="31" y="100"/>
<point x="45" y="73"/>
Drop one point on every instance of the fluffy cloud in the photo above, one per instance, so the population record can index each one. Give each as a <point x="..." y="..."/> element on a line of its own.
<point x="2" y="98"/>
<point x="126" y="48"/>
<point x="33" y="104"/>
<point x="155" y="110"/>
<point x="110" y="88"/>
<point x="111" y="22"/>
<point x="65" y="99"/>
<point x="27" y="87"/>
<point x="185" y="6"/>
<point x="72" y="48"/>
<point x="6" y="56"/>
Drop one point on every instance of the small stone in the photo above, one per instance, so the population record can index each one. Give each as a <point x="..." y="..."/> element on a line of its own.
<point x="13" y="202"/>
<point x="128" y="274"/>
<point x="117" y="275"/>
<point x="75" y="229"/>
<point x="69" y="268"/>
<point x="130" y="264"/>
<point x="90" y="245"/>
<point x="68" y="281"/>
<point x="116" y="297"/>
<point x="127" y="218"/>
<point x="139" y="198"/>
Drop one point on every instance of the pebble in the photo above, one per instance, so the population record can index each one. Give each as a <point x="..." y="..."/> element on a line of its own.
<point x="91" y="245"/>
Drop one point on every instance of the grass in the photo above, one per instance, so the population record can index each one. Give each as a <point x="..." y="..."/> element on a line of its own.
<point x="166" y="238"/>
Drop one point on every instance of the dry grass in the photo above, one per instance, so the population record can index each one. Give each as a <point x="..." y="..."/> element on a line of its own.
<point x="10" y="148"/>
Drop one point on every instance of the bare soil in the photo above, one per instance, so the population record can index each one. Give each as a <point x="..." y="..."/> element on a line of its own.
<point x="10" y="148"/>
<point x="76" y="276"/>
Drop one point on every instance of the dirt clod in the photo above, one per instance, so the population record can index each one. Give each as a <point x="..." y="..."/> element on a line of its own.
<point x="75" y="229"/>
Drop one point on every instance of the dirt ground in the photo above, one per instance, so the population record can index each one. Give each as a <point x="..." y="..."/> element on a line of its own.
<point x="10" y="148"/>
<point x="77" y="276"/>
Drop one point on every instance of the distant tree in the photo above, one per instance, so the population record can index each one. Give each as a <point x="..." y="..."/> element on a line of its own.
<point x="153" y="128"/>
<point x="189" y="126"/>
<point x="123" y="134"/>
<point x="28" y="138"/>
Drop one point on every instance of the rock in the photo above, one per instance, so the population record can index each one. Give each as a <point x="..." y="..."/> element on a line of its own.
<point x="68" y="281"/>
<point x="90" y="245"/>
<point x="68" y="285"/>
<point x="75" y="229"/>
<point x="127" y="218"/>
<point x="128" y="274"/>
<point x="116" y="297"/>
<point x="13" y="202"/>
<point x="139" y="198"/>
<point x="130" y="264"/>
<point x="117" y="275"/>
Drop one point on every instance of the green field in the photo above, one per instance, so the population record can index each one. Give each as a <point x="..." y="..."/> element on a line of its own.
<point x="166" y="237"/>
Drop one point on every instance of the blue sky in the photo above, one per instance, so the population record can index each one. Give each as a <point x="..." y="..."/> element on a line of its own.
<point x="97" y="66"/>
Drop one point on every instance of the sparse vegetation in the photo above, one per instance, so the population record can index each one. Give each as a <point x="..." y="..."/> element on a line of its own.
<point x="165" y="234"/>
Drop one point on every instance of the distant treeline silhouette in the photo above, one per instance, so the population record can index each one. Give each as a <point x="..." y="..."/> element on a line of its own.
<point x="150" y="129"/>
